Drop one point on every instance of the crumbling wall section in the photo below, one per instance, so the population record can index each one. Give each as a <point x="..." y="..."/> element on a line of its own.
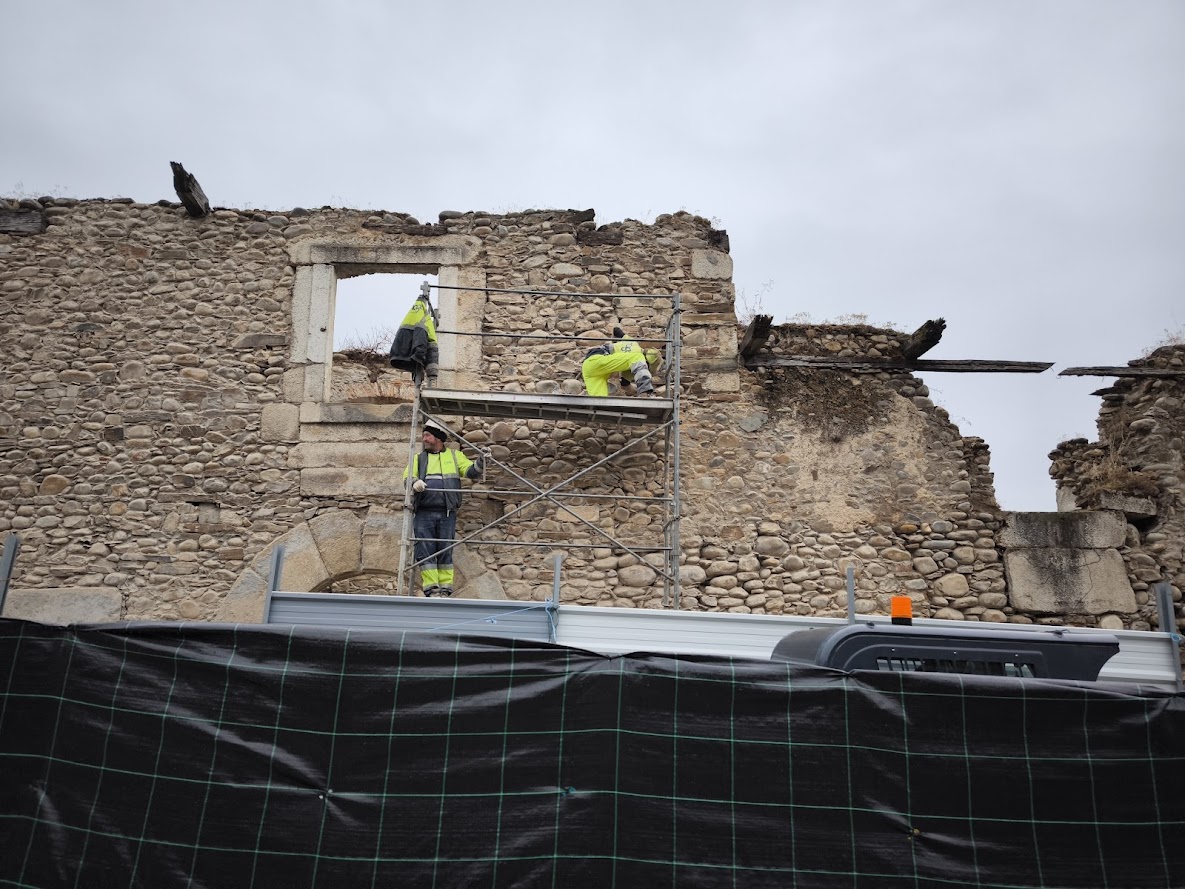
<point x="164" y="422"/>
<point x="811" y="470"/>
<point x="1135" y="469"/>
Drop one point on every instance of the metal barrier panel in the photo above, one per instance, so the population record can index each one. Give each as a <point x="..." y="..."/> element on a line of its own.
<point x="511" y="620"/>
<point x="1144" y="657"/>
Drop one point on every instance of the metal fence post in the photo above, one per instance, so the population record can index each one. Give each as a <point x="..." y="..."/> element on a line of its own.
<point x="273" y="580"/>
<point x="851" y="585"/>
<point x="1168" y="625"/>
<point x="12" y="545"/>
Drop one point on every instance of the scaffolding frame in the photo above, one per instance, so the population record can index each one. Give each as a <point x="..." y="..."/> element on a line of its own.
<point x="663" y="414"/>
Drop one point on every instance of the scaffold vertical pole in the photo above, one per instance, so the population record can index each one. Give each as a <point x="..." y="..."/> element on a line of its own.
<point x="406" y="537"/>
<point x="674" y="388"/>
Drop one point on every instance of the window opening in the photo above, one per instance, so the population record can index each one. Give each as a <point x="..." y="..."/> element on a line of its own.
<point x="367" y="311"/>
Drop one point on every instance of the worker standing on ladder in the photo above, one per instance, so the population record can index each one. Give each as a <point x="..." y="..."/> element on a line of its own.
<point x="436" y="490"/>
<point x="415" y="348"/>
<point x="625" y="357"/>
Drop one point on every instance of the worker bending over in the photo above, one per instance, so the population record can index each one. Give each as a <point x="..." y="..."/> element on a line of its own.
<point x="436" y="497"/>
<point x="625" y="357"/>
<point x="415" y="348"/>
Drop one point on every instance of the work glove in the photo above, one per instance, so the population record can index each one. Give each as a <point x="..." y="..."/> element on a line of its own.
<point x="419" y="485"/>
<point x="480" y="464"/>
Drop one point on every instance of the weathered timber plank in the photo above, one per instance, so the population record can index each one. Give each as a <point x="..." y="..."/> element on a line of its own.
<point x="22" y="222"/>
<point x="867" y="364"/>
<point x="191" y="194"/>
<point x="1123" y="372"/>
<point x="755" y="335"/>
<point x="981" y="366"/>
<point x="708" y="365"/>
<point x="923" y="339"/>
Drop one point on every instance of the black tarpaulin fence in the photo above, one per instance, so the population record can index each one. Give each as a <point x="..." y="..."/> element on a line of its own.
<point x="271" y="756"/>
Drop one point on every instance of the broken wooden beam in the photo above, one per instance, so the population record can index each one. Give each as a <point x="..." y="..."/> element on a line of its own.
<point x="923" y="339"/>
<point x="196" y="203"/>
<point x="1123" y="372"/>
<point x="756" y="334"/>
<point x="22" y="222"/>
<point x="921" y="364"/>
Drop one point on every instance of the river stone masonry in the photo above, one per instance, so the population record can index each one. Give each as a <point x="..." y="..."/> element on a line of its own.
<point x="171" y="410"/>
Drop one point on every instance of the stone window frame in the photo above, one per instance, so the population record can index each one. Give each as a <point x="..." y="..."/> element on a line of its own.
<point x="320" y="264"/>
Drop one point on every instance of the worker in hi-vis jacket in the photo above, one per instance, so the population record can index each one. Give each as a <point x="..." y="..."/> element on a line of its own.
<point x="625" y="357"/>
<point x="436" y="496"/>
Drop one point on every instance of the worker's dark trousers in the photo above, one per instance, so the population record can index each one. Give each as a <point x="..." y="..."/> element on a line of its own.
<point x="434" y="531"/>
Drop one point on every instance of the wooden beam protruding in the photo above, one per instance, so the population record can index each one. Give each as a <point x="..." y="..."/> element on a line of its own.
<point x="196" y="203"/>
<point x="1123" y="372"/>
<point x="22" y="222"/>
<point x="755" y="335"/>
<point x="923" y="339"/>
<point x="871" y="364"/>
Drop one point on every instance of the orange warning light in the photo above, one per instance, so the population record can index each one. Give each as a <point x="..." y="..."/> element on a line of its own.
<point x="901" y="610"/>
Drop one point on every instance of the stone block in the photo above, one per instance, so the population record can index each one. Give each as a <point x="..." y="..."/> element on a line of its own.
<point x="1064" y="580"/>
<point x="292" y="385"/>
<point x="711" y="264"/>
<point x="244" y="603"/>
<point x="1131" y="507"/>
<point x="588" y="513"/>
<point x="474" y="581"/>
<point x="319" y="332"/>
<point x="302" y="295"/>
<point x="355" y="432"/>
<point x="381" y="533"/>
<point x="64" y="605"/>
<point x="351" y="482"/>
<point x="1080" y="530"/>
<point x="303" y="570"/>
<point x="309" y="455"/>
<point x="721" y="382"/>
<point x="338" y="535"/>
<point x="280" y="422"/>
<point x="315" y="412"/>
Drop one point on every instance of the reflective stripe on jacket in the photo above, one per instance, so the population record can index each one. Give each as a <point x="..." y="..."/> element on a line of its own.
<point x="420" y="316"/>
<point x="442" y="474"/>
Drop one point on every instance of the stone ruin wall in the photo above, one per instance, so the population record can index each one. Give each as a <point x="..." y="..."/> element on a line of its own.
<point x="1135" y="469"/>
<point x="162" y="428"/>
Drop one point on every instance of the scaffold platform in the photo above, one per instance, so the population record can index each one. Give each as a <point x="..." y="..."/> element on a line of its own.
<point x="608" y="411"/>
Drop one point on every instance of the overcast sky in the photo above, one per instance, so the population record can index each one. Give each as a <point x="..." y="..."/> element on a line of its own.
<point x="1015" y="166"/>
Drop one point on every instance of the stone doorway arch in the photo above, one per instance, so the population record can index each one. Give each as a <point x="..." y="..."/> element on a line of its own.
<point x="335" y="545"/>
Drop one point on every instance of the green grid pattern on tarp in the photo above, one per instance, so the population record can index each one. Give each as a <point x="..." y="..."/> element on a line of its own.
<point x="199" y="755"/>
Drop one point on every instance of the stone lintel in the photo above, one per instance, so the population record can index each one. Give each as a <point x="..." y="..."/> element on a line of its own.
<point x="1082" y="529"/>
<point x="365" y="249"/>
